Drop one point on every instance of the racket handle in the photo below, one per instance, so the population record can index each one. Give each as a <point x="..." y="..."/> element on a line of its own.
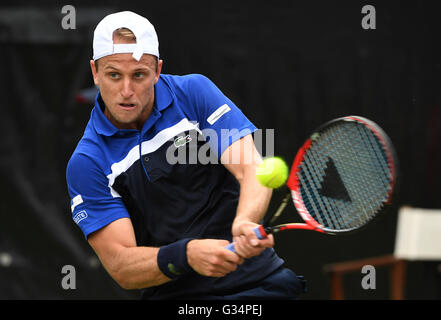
<point x="260" y="234"/>
<point x="231" y="247"/>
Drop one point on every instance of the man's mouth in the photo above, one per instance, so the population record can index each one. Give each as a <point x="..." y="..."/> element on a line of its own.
<point x="126" y="105"/>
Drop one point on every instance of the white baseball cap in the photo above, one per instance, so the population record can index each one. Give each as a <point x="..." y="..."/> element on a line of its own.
<point x="146" y="38"/>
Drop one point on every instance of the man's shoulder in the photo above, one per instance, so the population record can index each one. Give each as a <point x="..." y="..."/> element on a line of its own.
<point x="89" y="139"/>
<point x="192" y="90"/>
<point x="85" y="153"/>
<point x="185" y="81"/>
<point x="88" y="148"/>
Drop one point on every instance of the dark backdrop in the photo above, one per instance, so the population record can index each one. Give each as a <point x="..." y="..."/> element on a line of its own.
<point x="289" y="65"/>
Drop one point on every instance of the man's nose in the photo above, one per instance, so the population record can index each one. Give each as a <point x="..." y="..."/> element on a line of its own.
<point x="126" y="90"/>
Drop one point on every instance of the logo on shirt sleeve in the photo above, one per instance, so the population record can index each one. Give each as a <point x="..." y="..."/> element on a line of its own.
<point x="76" y="201"/>
<point x="80" y="216"/>
<point x="223" y="109"/>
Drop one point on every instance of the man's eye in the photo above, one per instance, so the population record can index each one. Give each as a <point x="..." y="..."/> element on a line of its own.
<point x="139" y="75"/>
<point x="114" y="75"/>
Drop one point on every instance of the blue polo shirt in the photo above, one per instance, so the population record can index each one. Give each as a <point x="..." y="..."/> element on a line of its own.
<point x="167" y="177"/>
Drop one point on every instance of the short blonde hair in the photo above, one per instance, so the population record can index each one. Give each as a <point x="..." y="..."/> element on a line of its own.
<point x="125" y="35"/>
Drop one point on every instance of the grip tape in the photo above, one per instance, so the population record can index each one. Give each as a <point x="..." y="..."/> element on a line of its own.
<point x="260" y="234"/>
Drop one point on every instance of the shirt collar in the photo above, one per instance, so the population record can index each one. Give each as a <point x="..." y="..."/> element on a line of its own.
<point x="163" y="98"/>
<point x="102" y="124"/>
<point x="163" y="95"/>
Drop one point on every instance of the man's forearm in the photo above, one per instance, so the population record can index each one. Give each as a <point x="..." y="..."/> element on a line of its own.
<point x="254" y="198"/>
<point x="242" y="160"/>
<point x="253" y="204"/>
<point x="136" y="268"/>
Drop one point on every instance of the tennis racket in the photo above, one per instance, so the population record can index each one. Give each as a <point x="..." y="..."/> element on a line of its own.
<point x="342" y="178"/>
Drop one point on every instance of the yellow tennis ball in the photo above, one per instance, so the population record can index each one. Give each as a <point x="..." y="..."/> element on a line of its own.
<point x="272" y="172"/>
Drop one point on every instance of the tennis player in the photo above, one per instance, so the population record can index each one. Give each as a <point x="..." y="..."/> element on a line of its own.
<point x="161" y="225"/>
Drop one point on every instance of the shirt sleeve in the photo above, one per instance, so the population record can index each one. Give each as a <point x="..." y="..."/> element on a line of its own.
<point x="220" y="120"/>
<point x="92" y="204"/>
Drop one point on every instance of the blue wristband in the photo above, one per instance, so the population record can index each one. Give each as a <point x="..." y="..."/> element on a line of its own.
<point x="172" y="259"/>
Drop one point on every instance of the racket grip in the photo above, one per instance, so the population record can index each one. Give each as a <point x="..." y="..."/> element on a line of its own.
<point x="231" y="247"/>
<point x="260" y="234"/>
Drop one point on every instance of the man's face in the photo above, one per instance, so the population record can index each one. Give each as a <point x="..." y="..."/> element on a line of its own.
<point x="127" y="87"/>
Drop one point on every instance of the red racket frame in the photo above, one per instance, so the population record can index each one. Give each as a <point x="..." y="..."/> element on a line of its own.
<point x="293" y="182"/>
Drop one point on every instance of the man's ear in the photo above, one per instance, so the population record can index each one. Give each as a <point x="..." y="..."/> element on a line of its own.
<point x="94" y="72"/>
<point x="158" y="71"/>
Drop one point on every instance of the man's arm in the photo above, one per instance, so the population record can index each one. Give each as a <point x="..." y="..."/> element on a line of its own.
<point x="132" y="267"/>
<point x="242" y="159"/>
<point x="135" y="267"/>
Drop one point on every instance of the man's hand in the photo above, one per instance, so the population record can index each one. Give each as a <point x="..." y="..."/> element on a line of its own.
<point x="209" y="257"/>
<point x="246" y="243"/>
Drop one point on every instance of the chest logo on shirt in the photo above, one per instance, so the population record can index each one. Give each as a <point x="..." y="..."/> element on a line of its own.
<point x="182" y="141"/>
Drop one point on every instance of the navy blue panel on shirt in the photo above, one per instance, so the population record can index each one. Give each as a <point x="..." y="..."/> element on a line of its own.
<point x="153" y="177"/>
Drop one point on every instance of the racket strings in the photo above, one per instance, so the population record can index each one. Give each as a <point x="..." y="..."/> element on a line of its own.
<point x="360" y="162"/>
<point x="329" y="214"/>
<point x="365" y="169"/>
<point x="380" y="156"/>
<point x="312" y="201"/>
